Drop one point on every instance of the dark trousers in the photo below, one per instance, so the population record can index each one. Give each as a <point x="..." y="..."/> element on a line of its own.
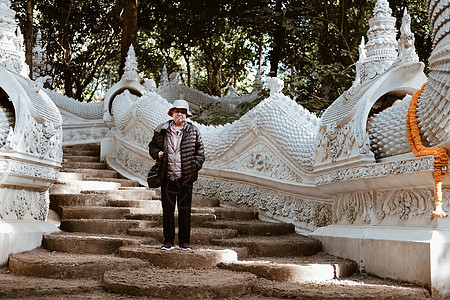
<point x="174" y="192"/>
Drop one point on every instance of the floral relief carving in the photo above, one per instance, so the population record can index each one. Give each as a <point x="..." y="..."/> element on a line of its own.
<point x="350" y="206"/>
<point x="314" y="213"/>
<point x="132" y="162"/>
<point x="335" y="142"/>
<point x="139" y="136"/>
<point x="44" y="140"/>
<point x="84" y="134"/>
<point x="261" y="160"/>
<point x="23" y="168"/>
<point x="21" y="204"/>
<point x="405" y="203"/>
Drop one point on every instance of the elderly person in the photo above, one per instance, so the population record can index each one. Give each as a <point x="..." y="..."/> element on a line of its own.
<point x="177" y="144"/>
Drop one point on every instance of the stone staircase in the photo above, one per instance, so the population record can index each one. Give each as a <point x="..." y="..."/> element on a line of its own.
<point x="111" y="231"/>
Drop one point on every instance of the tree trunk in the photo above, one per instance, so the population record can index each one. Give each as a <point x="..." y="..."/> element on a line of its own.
<point x="29" y="36"/>
<point x="323" y="47"/>
<point x="279" y="39"/>
<point x="187" y="58"/>
<point x="129" y="29"/>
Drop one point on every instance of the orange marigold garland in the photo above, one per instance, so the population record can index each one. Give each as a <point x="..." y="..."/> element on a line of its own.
<point x="440" y="154"/>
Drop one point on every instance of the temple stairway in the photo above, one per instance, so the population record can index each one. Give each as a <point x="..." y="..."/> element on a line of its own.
<point x="111" y="231"/>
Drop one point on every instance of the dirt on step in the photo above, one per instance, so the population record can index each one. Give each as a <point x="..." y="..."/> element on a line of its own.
<point x="359" y="286"/>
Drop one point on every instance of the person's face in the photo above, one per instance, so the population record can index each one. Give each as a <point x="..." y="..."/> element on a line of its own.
<point x="179" y="116"/>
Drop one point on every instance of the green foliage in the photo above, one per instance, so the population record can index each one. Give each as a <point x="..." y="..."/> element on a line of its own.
<point x="212" y="114"/>
<point x="199" y="37"/>
<point x="82" y="42"/>
<point x="311" y="45"/>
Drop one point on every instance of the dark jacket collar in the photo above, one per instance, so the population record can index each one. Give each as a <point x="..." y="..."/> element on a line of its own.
<point x="166" y="125"/>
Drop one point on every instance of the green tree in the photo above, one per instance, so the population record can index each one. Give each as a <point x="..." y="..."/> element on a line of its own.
<point x="311" y="45"/>
<point x="82" y="39"/>
<point x="202" y="33"/>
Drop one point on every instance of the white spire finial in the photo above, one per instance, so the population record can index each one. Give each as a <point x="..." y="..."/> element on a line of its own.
<point x="382" y="9"/>
<point x="406" y="49"/>
<point x="275" y="85"/>
<point x="382" y="42"/>
<point x="130" y="69"/>
<point x="362" y="50"/>
<point x="164" y="80"/>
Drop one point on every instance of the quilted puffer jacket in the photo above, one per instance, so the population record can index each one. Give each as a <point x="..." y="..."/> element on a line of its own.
<point x="191" y="148"/>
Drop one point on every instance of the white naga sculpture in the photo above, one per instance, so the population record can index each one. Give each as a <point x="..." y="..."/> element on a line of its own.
<point x="30" y="146"/>
<point x="171" y="89"/>
<point x="351" y="178"/>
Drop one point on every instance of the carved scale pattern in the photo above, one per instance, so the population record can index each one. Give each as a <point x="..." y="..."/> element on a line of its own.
<point x="173" y="91"/>
<point x="288" y="124"/>
<point x="433" y="107"/>
<point x="89" y="111"/>
<point x="387" y="130"/>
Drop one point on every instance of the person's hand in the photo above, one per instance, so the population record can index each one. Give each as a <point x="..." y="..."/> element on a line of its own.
<point x="160" y="154"/>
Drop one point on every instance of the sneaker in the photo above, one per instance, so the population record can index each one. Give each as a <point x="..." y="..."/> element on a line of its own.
<point x="167" y="246"/>
<point x="185" y="247"/>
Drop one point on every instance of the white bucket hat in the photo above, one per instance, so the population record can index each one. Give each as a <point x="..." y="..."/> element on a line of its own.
<point x="180" y="104"/>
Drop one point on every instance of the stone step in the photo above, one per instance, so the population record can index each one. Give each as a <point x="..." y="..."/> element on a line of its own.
<point x="226" y="213"/>
<point x="173" y="284"/>
<point x="274" y="246"/>
<point x="87" y="198"/>
<point x="316" y="268"/>
<point x="199" y="200"/>
<point x="103" y="226"/>
<point x="79" y="199"/>
<point x="81" y="152"/>
<point x="95" y="212"/>
<point x="124" y="182"/>
<point x="67" y="176"/>
<point x="83" y="165"/>
<point x="196" y="219"/>
<point x="198" y="235"/>
<point x="82" y="146"/>
<point x="35" y="288"/>
<point x="123" y="193"/>
<point x="358" y="286"/>
<point x="79" y="158"/>
<point x="254" y="227"/>
<point x="76" y="186"/>
<point x="42" y="263"/>
<point x="151" y="206"/>
<point x="93" y="173"/>
<point x="90" y="243"/>
<point x="199" y="258"/>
